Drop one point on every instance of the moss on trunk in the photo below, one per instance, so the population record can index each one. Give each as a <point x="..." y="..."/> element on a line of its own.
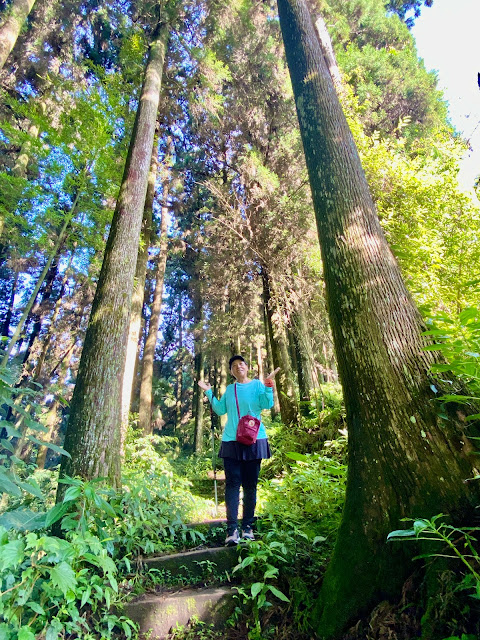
<point x="93" y="431"/>
<point x="404" y="459"/>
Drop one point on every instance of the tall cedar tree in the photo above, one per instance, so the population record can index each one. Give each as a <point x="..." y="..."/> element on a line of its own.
<point x="93" y="431"/>
<point x="404" y="459"/>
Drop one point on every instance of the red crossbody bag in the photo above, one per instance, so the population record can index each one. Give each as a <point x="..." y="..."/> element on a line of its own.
<point x="248" y="426"/>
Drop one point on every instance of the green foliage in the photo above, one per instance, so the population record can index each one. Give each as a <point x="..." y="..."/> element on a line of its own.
<point x="454" y="604"/>
<point x="437" y="530"/>
<point x="300" y="516"/>
<point x="458" y="340"/>
<point x="325" y="420"/>
<point x="58" y="586"/>
<point x="15" y="475"/>
<point x="196" y="630"/>
<point x="310" y="495"/>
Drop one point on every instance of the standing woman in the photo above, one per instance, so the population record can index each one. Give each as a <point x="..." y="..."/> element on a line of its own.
<point x="241" y="462"/>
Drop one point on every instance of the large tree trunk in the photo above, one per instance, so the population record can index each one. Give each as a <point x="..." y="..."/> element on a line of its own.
<point x="404" y="459"/>
<point x="17" y="14"/>
<point x="93" y="431"/>
<point x="145" y="406"/>
<point x="138" y="294"/>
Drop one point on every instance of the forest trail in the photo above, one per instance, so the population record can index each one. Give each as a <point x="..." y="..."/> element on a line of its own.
<point x="208" y="597"/>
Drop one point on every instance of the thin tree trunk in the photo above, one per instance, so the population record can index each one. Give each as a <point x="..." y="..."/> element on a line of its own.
<point x="259" y="360"/>
<point x="275" y="410"/>
<point x="39" y="309"/>
<point x="17" y="14"/>
<point x="52" y="418"/>
<point x="288" y="408"/>
<point x="404" y="459"/>
<point x="198" y="408"/>
<point x="8" y="316"/>
<point x="60" y="240"/>
<point x="138" y="294"/>
<point x="179" y="373"/>
<point x="145" y="406"/>
<point x="51" y="329"/>
<point x="93" y="431"/>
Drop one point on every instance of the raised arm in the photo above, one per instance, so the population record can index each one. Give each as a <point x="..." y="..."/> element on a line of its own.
<point x="219" y="406"/>
<point x="266" y="398"/>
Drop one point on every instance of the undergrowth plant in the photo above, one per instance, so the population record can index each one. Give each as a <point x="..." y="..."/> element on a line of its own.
<point x="300" y="516"/>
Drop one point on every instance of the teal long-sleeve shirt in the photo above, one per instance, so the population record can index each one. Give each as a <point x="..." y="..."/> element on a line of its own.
<point x="253" y="397"/>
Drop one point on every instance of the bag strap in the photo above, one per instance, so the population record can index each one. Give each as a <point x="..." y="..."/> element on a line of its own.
<point x="236" y="399"/>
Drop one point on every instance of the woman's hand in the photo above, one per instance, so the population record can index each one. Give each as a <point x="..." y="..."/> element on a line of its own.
<point x="269" y="379"/>
<point x="204" y="385"/>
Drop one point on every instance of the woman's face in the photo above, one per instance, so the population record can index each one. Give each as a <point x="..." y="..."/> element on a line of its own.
<point x="239" y="369"/>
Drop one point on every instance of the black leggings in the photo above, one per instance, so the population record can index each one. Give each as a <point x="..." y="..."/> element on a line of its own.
<point x="244" y="473"/>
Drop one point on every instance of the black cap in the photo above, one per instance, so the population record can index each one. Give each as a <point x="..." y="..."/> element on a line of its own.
<point x="233" y="358"/>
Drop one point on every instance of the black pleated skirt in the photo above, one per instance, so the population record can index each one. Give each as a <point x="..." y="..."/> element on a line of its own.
<point x="237" y="451"/>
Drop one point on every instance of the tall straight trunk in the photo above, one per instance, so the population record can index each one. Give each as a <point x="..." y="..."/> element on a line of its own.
<point x="145" y="406"/>
<point x="17" y="14"/>
<point x="405" y="460"/>
<point x="215" y="380"/>
<point x="258" y="346"/>
<point x="93" y="431"/>
<point x="288" y="409"/>
<point x="8" y="316"/>
<point x="302" y="374"/>
<point x="303" y="346"/>
<point x="138" y="293"/>
<point x="179" y="373"/>
<point x="198" y="408"/>
<point x="197" y="404"/>
<point x="223" y="382"/>
<point x="275" y="410"/>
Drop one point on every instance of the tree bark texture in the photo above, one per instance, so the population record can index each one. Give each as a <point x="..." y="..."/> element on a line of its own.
<point x="93" y="431"/>
<point x="17" y="14"/>
<point x="138" y="293"/>
<point x="404" y="459"/>
<point x="145" y="406"/>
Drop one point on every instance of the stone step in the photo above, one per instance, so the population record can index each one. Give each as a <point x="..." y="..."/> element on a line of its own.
<point x="157" y="614"/>
<point x="200" y="563"/>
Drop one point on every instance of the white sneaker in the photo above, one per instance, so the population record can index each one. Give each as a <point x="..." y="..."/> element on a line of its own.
<point x="232" y="539"/>
<point x="247" y="534"/>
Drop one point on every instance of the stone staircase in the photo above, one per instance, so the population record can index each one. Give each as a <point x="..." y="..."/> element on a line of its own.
<point x="157" y="613"/>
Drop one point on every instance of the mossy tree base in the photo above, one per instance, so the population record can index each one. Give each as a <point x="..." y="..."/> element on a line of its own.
<point x="404" y="459"/>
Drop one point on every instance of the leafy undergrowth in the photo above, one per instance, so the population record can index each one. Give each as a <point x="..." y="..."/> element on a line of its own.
<point x="73" y="586"/>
